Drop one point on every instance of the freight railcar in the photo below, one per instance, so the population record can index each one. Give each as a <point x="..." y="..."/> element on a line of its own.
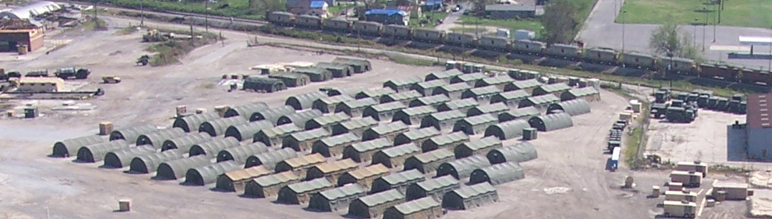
<point x="461" y="39"/>
<point x="678" y="65"/>
<point x="368" y="28"/>
<point x="338" y="25"/>
<point x="601" y="56"/>
<point x="397" y="31"/>
<point x="529" y="47"/>
<point x="494" y="43"/>
<point x="308" y="21"/>
<point x="429" y="35"/>
<point x="282" y="18"/>
<point x="638" y="60"/>
<point x="563" y="51"/>
<point x="717" y="71"/>
<point x="756" y="76"/>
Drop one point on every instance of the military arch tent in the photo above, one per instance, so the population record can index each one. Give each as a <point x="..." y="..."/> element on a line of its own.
<point x="299" y="119"/>
<point x="449" y="141"/>
<point x="267" y="85"/>
<point x="362" y="152"/>
<point x="520" y="152"/>
<point x="434" y="101"/>
<point x="122" y="158"/>
<point x="493" y="109"/>
<point x="590" y="94"/>
<point x="236" y="180"/>
<point x="497" y="174"/>
<point x="148" y="163"/>
<point x="498" y="81"/>
<point x="477" y="147"/>
<point x="416" y="137"/>
<point x="554" y="89"/>
<point x="269" y="185"/>
<point x="176" y="169"/>
<point x="572" y="107"/>
<point x="359" y="65"/>
<point x="185" y="142"/>
<point x="426" y="88"/>
<point x="299" y="165"/>
<point x="452" y="91"/>
<point x="304" y="140"/>
<point x="274" y="136"/>
<point x="363" y="176"/>
<point x="444" y="75"/>
<point x="394" y="157"/>
<point x="507" y="130"/>
<point x="208" y="174"/>
<point x="470" y="197"/>
<point x="413" y="115"/>
<point x="462" y="105"/>
<point x="331" y="170"/>
<point x="192" y="122"/>
<point x="442" y="121"/>
<point x="383" y="111"/>
<point x="355" y="126"/>
<point x="241" y="153"/>
<point x="156" y="139"/>
<point x="304" y="101"/>
<point x="245" y="111"/>
<point x="315" y="74"/>
<point x="272" y="115"/>
<point x="435" y="188"/>
<point x="291" y="79"/>
<point x="399" y="181"/>
<point x="373" y="206"/>
<point x="525" y="85"/>
<point x="388" y="130"/>
<point x="333" y="146"/>
<point x="300" y="193"/>
<point x="463" y="167"/>
<point x="71" y="146"/>
<point x="510" y="98"/>
<point x="424" y="208"/>
<point x="271" y="158"/>
<point x="402" y="84"/>
<point x="247" y="131"/>
<point x="326" y="122"/>
<point x="374" y="94"/>
<point x="328" y="104"/>
<point x="468" y="79"/>
<point x="524" y="113"/>
<point x="211" y="148"/>
<point x="338" y="70"/>
<point x="132" y="133"/>
<point x="481" y="94"/>
<point x="354" y="108"/>
<point x="218" y="127"/>
<point x="475" y="124"/>
<point x="551" y="122"/>
<point x="428" y="162"/>
<point x="96" y="152"/>
<point x="332" y="200"/>
<point x="539" y="102"/>
<point x="404" y="97"/>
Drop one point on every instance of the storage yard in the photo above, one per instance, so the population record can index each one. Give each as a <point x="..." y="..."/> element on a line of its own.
<point x="565" y="172"/>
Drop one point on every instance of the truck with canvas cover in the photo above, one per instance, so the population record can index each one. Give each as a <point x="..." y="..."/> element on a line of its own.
<point x="78" y="73"/>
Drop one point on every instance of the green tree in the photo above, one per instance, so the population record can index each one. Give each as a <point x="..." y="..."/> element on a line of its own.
<point x="667" y="40"/>
<point x="560" y="21"/>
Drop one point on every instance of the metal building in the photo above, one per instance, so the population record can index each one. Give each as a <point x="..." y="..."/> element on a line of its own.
<point x="539" y="102"/>
<point x="328" y="104"/>
<point x="468" y="79"/>
<point x="185" y="142"/>
<point x="477" y="147"/>
<point x="525" y="85"/>
<point x="96" y="152"/>
<point x="497" y="174"/>
<point x="590" y="94"/>
<point x="443" y="121"/>
<point x="148" y="163"/>
<point x="208" y="174"/>
<point x="176" y="169"/>
<point x="303" y="141"/>
<point x="394" y="157"/>
<point x="449" y="141"/>
<point x="355" y="126"/>
<point x="463" y="167"/>
<point x="272" y="114"/>
<point x="218" y="126"/>
<point x="428" y="162"/>
<point x="131" y="134"/>
<point x="475" y="124"/>
<point x="481" y="94"/>
<point x="510" y="98"/>
<point x="332" y="200"/>
<point x="470" y="197"/>
<point x="402" y="84"/>
<point x="462" y="105"/>
<point x="274" y="136"/>
<point x="300" y="118"/>
<point x="122" y="157"/>
<point x="269" y="185"/>
<point x="435" y="188"/>
<point x="300" y="193"/>
<point x="430" y="100"/>
<point x="416" y="137"/>
<point x="271" y="158"/>
<point x="373" y="206"/>
<point x="399" y="181"/>
<point x="452" y="91"/>
<point x="191" y="123"/>
<point x="326" y="122"/>
<point x="507" y="130"/>
<point x="247" y="131"/>
<point x="493" y="109"/>
<point x="572" y="107"/>
<point x="413" y="115"/>
<point x="355" y="108"/>
<point x="388" y="130"/>
<point x="210" y="149"/>
<point x="404" y="97"/>
<point x="424" y="208"/>
<point x="70" y="146"/>
<point x="374" y="94"/>
<point x="245" y="111"/>
<point x="299" y="165"/>
<point x="551" y="122"/>
<point x="236" y="180"/>
<point x="426" y="88"/>
<point x="362" y="152"/>
<point x="444" y="75"/>
<point x="524" y="113"/>
<point x="331" y="170"/>
<point x="554" y="89"/>
<point x="363" y="176"/>
<point x="304" y="101"/>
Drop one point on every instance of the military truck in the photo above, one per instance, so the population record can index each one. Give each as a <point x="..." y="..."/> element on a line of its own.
<point x="662" y="95"/>
<point x="685" y="209"/>
<point x="78" y="73"/>
<point x="687" y="178"/>
<point x="680" y="114"/>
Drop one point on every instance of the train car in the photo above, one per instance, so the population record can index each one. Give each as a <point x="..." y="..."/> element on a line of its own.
<point x="461" y="39"/>
<point x="601" y="55"/>
<point x="638" y="60"/>
<point x="397" y="31"/>
<point x="496" y="43"/>
<point x="282" y="18"/>
<point x="529" y="47"/>
<point x="308" y="21"/>
<point x="429" y="35"/>
<point x="756" y="76"/>
<point x="368" y="28"/>
<point x="678" y="65"/>
<point x="338" y="25"/>
<point x="717" y="71"/>
<point x="564" y="51"/>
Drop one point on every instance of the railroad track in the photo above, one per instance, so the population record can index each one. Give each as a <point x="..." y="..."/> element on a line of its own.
<point x="166" y="12"/>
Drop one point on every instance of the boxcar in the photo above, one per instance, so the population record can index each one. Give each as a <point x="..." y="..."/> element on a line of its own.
<point x="638" y="60"/>
<point x="563" y="51"/>
<point x="337" y="25"/>
<point x="756" y="76"/>
<point x="368" y="28"/>
<point x="529" y="47"/>
<point x="494" y="43"/>
<point x="725" y="72"/>
<point x="461" y="39"/>
<point x="428" y="35"/>
<point x="397" y="31"/>
<point x="601" y="55"/>
<point x="308" y="21"/>
<point x="678" y="65"/>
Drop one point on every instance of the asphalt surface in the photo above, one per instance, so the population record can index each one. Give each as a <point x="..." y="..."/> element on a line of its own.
<point x="601" y="31"/>
<point x="450" y="20"/>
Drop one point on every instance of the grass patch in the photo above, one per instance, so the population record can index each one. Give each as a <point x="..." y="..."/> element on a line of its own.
<point x="410" y="60"/>
<point x="170" y="52"/>
<point x="127" y="30"/>
<point x="746" y="13"/>
<point x="94" y="24"/>
<point x="511" y="24"/>
<point x="323" y="37"/>
<point x="431" y="18"/>
<point x="234" y="8"/>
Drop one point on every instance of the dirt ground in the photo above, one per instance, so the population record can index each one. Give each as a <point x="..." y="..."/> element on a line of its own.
<point x="568" y="180"/>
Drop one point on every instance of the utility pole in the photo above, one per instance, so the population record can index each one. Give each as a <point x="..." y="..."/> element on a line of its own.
<point x="623" y="30"/>
<point x="96" y="15"/>
<point x="206" y="15"/>
<point x="694" y="34"/>
<point x="715" y="23"/>
<point x="142" y="14"/>
<point x="703" y="28"/>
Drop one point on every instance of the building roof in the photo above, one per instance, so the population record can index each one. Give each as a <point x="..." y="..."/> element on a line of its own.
<point x="470" y="77"/>
<point x="486" y="142"/>
<point x="557" y="87"/>
<point x="248" y="173"/>
<point x="389" y="127"/>
<point x="353" y="104"/>
<point x="381" y="197"/>
<point x="434" y="155"/>
<point x="275" y="179"/>
<point x="34" y="9"/>
<point x="409" y="95"/>
<point x="462" y="103"/>
<point x="372" y="170"/>
<point x="430" y="84"/>
<point x="404" y="176"/>
<point x="456" y="87"/>
<point x="543" y="99"/>
<point x="474" y="190"/>
<point x="514" y="95"/>
<point x="437" y="183"/>
<point x="449" y="138"/>
<point x="336" y="166"/>
<point x="759" y="107"/>
<point x="318" y="4"/>
<point x="289" y="75"/>
<point x="404" y="81"/>
<point x="359" y="123"/>
<point x="480" y="119"/>
<point x="310" y="134"/>
<point x="339" y="139"/>
<point x="343" y="191"/>
<point x="530" y="83"/>
<point x="416" y="205"/>
<point x="421" y="133"/>
<point x="509" y="7"/>
<point x="484" y="90"/>
<point x="307" y="160"/>
<point x="397" y="151"/>
<point x="335" y="99"/>
<point x="500" y="173"/>
<point x="331" y="119"/>
<point x="430" y="100"/>
<point x="572" y="107"/>
<point x="259" y="80"/>
<point x="419" y="110"/>
<point x="445" y="74"/>
<point x="388" y="12"/>
<point x="374" y="144"/>
<point x="54" y="80"/>
<point x="385" y="107"/>
<point x="453" y="114"/>
<point x="311" y="185"/>
<point x="496" y="80"/>
<point x="376" y="92"/>
<point x="492" y="108"/>
<point x="585" y="91"/>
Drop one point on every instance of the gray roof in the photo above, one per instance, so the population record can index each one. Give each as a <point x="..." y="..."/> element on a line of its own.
<point x="420" y="133"/>
<point x="70" y="146"/>
<point x="486" y="142"/>
<point x="281" y="130"/>
<point x="543" y="99"/>
<point x="474" y="190"/>
<point x="444" y="74"/>
<point x="131" y="134"/>
<point x="452" y="88"/>
<point x="271" y="158"/>
<point x="525" y="84"/>
<point x="300" y="118"/>
<point x="275" y="179"/>
<point x="347" y="190"/>
<point x="407" y="95"/>
<point x="377" y="92"/>
<point x="480" y="119"/>
<point x="550" y="88"/>
<point x="504" y="79"/>
<point x="374" y="144"/>
<point x="240" y="153"/>
<point x="434" y="155"/>
<point x="464" y="166"/>
<point x="585" y="91"/>
<point x="404" y="176"/>
<point x="418" y="110"/>
<point x="507" y="130"/>
<point x="391" y="106"/>
<point x="449" y="138"/>
<point x="448" y="115"/>
<point x="209" y="173"/>
<point x="248" y="130"/>
<point x="389" y="127"/>
<point x="191" y="122"/>
<point x="490" y="108"/>
<point x="437" y="183"/>
<point x="397" y="151"/>
<point x="218" y="126"/>
<point x="360" y="103"/>
<point x="339" y="139"/>
<point x="404" y="81"/>
<point x="430" y="100"/>
<point x="520" y="152"/>
<point x="525" y="112"/>
<point x="359" y="123"/>
<point x="156" y="139"/>
<point x="245" y="111"/>
<point x="572" y="107"/>
<point x="381" y="197"/>
<point x="211" y="148"/>
<point x="186" y="141"/>
<point x="483" y="91"/>
<point x="462" y="103"/>
<point x="272" y="115"/>
<point x="552" y="121"/>
<point x="306" y="100"/>
<point x="416" y="205"/>
<point x="470" y="77"/>
<point x="310" y="134"/>
<point x="429" y="84"/>
<point x="330" y="119"/>
<point x="311" y="185"/>
<point x="333" y="100"/>
<point x="498" y="173"/>
<point x="514" y="95"/>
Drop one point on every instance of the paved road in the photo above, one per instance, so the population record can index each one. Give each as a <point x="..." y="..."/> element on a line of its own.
<point x="601" y="31"/>
<point x="450" y="20"/>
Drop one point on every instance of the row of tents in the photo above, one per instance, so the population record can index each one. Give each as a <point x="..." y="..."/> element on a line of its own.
<point x="280" y="78"/>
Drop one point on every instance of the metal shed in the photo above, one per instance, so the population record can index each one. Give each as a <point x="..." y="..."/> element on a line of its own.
<point x="185" y="142"/>
<point x="315" y="74"/>
<point x="355" y="126"/>
<point x="463" y="105"/>
<point x="373" y="206"/>
<point x="354" y="108"/>
<point x="551" y="122"/>
<point x="416" y="137"/>
<point x="71" y="146"/>
<point x="208" y="174"/>
<point x="510" y="98"/>
<point x="443" y="121"/>
<point x="362" y="152"/>
<point x="498" y="81"/>
<point x="268" y="186"/>
<point x="336" y="199"/>
<point x="96" y="152"/>
<point x="493" y="109"/>
<point x="300" y="193"/>
<point x="291" y="79"/>
<point x="359" y="65"/>
<point x="326" y="122"/>
<point x="404" y="97"/>
<point x="413" y="115"/>
<point x="245" y="111"/>
<point x="388" y="130"/>
<point x="131" y="134"/>
<point x="375" y="93"/>
<point x="590" y="94"/>
<point x="328" y="104"/>
<point x="247" y="131"/>
<point x="394" y="157"/>
<point x="299" y="165"/>
<point x="497" y="174"/>
<point x="477" y="147"/>
<point x="333" y="146"/>
<point x="175" y="169"/>
<point x="236" y="180"/>
<point x="426" y="88"/>
<point x="402" y="84"/>
<point x="148" y="163"/>
<point x="428" y="162"/>
<point x="331" y="170"/>
<point x="572" y="107"/>
<point x="303" y="141"/>
<point x="524" y="113"/>
<point x="444" y="75"/>
<point x="449" y="141"/>
<point x="452" y="91"/>
<point x="271" y="158"/>
<point x="156" y="139"/>
<point x="434" y="101"/>
<point x="363" y="176"/>
<point x="241" y="153"/>
<point x="122" y="158"/>
<point x="470" y="197"/>
<point x="267" y="85"/>
<point x="383" y="111"/>
<point x="399" y="181"/>
<point x="463" y="167"/>
<point x="211" y="148"/>
<point x="555" y="89"/>
<point x="525" y="85"/>
<point x="300" y="118"/>
<point x="304" y="101"/>
<point x="190" y="123"/>
<point x="272" y="114"/>
<point x="274" y="136"/>
<point x="424" y="208"/>
<point x="475" y="124"/>
<point x="539" y="102"/>
<point x="468" y="79"/>
<point x="520" y="152"/>
<point x="435" y="188"/>
<point x="507" y="130"/>
<point x="218" y="127"/>
<point x="339" y="70"/>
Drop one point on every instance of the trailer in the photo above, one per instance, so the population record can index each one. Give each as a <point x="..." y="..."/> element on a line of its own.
<point x="695" y="166"/>
<point x="691" y="179"/>
<point x="680" y="209"/>
<point x="615" y="158"/>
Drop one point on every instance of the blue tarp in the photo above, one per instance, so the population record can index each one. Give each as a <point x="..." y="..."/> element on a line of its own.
<point x="317" y="4"/>
<point x="388" y="12"/>
<point x="433" y="3"/>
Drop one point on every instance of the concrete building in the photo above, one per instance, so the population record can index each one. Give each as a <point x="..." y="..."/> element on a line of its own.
<point x="40" y="85"/>
<point x="12" y="40"/>
<point x="758" y="129"/>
